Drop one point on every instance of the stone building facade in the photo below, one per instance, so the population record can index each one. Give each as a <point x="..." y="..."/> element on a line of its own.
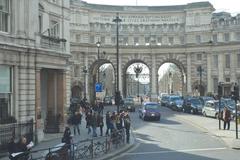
<point x="188" y="35"/>
<point x="34" y="62"/>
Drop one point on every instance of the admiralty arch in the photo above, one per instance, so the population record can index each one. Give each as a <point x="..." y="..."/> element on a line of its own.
<point x="190" y="36"/>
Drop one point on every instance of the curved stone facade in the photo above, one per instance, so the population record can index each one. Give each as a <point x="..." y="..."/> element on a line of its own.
<point x="188" y="35"/>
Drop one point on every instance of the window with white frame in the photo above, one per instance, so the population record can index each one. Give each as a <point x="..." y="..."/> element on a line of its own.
<point x="215" y="84"/>
<point x="92" y="39"/>
<point x="147" y="39"/>
<point x="226" y="37"/>
<point x="113" y="40"/>
<point x="199" y="57"/>
<point x="5" y="92"/>
<point x="227" y="79"/>
<point x="170" y="40"/>
<point x="54" y="28"/>
<point x="136" y="41"/>
<point x="4" y="15"/>
<point x="215" y="38"/>
<point x="125" y="40"/>
<point x="215" y="61"/>
<point x="198" y="39"/>
<point x="102" y="39"/>
<point x="238" y="60"/>
<point x="182" y="40"/>
<point x="227" y="61"/>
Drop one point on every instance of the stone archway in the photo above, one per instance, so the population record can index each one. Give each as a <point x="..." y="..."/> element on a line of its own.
<point x="183" y="72"/>
<point x="77" y="91"/>
<point x="125" y="67"/>
<point x="92" y="78"/>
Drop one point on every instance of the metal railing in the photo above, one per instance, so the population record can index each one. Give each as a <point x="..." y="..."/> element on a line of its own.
<point x="15" y="130"/>
<point x="87" y="149"/>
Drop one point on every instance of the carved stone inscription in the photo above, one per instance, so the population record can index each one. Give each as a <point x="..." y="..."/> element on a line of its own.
<point x="138" y="19"/>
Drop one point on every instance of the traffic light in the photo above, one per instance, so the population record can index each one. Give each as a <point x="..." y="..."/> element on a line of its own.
<point x="236" y="91"/>
<point x="220" y="91"/>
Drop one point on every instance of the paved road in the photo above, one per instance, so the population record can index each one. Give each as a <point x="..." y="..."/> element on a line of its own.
<point x="174" y="139"/>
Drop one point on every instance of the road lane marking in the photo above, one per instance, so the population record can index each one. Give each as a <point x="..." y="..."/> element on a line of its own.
<point x="171" y="151"/>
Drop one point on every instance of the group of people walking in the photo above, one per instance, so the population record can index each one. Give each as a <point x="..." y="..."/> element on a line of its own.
<point x="94" y="118"/>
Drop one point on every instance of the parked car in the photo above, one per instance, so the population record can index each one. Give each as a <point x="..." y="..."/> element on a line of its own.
<point x="164" y="100"/>
<point x="211" y="108"/>
<point x="204" y="99"/>
<point x="129" y="105"/>
<point x="107" y="100"/>
<point x="192" y="105"/>
<point x="150" y="110"/>
<point x="176" y="103"/>
<point x="230" y="103"/>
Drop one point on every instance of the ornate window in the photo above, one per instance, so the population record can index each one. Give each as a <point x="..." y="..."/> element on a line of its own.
<point x="226" y="37"/>
<point x="215" y="61"/>
<point x="5" y="92"/>
<point x="54" y="28"/>
<point x="4" y="15"/>
<point x="227" y="61"/>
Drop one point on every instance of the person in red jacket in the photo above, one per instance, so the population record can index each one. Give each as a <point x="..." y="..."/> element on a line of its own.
<point x="226" y="118"/>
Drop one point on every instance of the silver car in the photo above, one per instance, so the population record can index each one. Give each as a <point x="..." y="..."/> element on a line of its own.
<point x="211" y="108"/>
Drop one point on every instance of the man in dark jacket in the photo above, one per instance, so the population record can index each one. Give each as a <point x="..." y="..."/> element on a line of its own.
<point x="76" y="121"/>
<point x="108" y="122"/>
<point x="127" y="124"/>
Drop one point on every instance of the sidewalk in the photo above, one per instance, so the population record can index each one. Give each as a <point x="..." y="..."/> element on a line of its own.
<point x="211" y="126"/>
<point x="52" y="140"/>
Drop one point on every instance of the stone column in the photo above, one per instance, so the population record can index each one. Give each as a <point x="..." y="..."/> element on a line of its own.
<point x="220" y="68"/>
<point x="38" y="117"/>
<point x="189" y="76"/>
<point x="209" y="73"/>
<point x="233" y="65"/>
<point x="61" y="98"/>
<point x="16" y="91"/>
<point x="153" y="79"/>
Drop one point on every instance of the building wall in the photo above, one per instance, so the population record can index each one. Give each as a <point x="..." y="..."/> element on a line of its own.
<point x="27" y="50"/>
<point x="181" y="34"/>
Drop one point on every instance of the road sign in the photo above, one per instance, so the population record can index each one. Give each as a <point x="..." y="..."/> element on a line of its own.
<point x="98" y="87"/>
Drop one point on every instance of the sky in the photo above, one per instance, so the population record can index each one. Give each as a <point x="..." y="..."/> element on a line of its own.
<point x="231" y="6"/>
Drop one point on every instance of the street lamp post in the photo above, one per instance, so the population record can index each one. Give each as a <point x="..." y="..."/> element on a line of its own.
<point x="200" y="70"/>
<point x="170" y="82"/>
<point x="85" y="88"/>
<point x="98" y="48"/>
<point x="138" y="69"/>
<point x="117" y="20"/>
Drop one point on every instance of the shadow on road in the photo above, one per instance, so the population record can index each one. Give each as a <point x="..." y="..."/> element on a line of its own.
<point x="152" y="151"/>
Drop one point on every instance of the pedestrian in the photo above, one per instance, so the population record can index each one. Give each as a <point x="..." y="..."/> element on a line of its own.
<point x="100" y="123"/>
<point x="12" y="148"/>
<point x="94" y="124"/>
<point x="101" y="107"/>
<point x="141" y="100"/>
<point x="67" y="137"/>
<point x="127" y="124"/>
<point x="226" y="118"/>
<point x="89" y="121"/>
<point x="118" y="121"/>
<point x="76" y="122"/>
<point x="108" y="122"/>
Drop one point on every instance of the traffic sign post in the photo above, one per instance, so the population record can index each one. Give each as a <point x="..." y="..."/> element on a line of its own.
<point x="98" y="87"/>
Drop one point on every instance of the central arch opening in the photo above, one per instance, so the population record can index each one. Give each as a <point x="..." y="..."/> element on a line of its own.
<point x="137" y="81"/>
<point x="171" y="79"/>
